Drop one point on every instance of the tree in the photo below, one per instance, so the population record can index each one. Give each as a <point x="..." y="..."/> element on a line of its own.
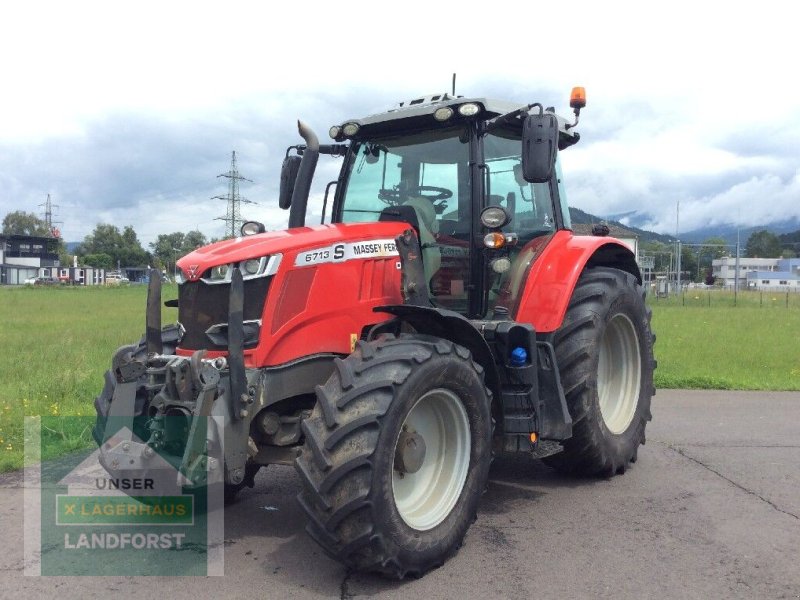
<point x="169" y="247"/>
<point x="763" y="244"/>
<point x="100" y="261"/>
<point x="715" y="247"/>
<point x="64" y="257"/>
<point x="688" y="263"/>
<point x="123" y="248"/>
<point x="22" y="223"/>
<point x="133" y="254"/>
<point x="661" y="252"/>
<point x="711" y="249"/>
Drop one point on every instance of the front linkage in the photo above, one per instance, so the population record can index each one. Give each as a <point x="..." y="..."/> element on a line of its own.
<point x="179" y="406"/>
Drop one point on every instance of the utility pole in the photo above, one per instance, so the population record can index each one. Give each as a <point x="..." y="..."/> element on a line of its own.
<point x="678" y="244"/>
<point x="233" y="217"/>
<point x="736" y="274"/>
<point x="48" y="217"/>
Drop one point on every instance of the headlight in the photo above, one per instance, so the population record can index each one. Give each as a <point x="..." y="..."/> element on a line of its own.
<point x="334" y="132"/>
<point x="501" y="265"/>
<point x="350" y="129"/>
<point x="252" y="228"/>
<point x="494" y="217"/>
<point x="442" y="114"/>
<point x="252" y="266"/>
<point x="219" y="273"/>
<point x="470" y="109"/>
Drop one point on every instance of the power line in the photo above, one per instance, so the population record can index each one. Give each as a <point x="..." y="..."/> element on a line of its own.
<point x="233" y="218"/>
<point x="48" y="217"/>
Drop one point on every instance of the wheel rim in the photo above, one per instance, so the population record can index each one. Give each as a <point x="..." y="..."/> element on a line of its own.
<point x="426" y="497"/>
<point x="619" y="374"/>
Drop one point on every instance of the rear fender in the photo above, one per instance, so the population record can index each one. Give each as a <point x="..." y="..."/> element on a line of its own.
<point x="552" y="275"/>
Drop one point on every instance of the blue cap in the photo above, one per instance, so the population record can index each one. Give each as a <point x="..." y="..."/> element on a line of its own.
<point x="519" y="356"/>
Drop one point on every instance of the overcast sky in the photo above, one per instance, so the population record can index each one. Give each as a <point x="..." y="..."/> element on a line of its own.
<point x="125" y="113"/>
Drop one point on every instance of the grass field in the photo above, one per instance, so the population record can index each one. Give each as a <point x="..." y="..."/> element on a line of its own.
<point x="746" y="347"/>
<point x="58" y="342"/>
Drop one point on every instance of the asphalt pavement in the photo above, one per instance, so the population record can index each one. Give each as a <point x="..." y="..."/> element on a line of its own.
<point x="710" y="510"/>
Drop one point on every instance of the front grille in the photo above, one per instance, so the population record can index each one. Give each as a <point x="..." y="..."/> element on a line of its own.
<point x="201" y="305"/>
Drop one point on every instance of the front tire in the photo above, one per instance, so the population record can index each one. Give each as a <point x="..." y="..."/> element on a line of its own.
<point x="604" y="351"/>
<point x="396" y="455"/>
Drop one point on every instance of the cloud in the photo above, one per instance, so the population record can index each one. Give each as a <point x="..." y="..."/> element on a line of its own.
<point x="159" y="174"/>
<point x="128" y="116"/>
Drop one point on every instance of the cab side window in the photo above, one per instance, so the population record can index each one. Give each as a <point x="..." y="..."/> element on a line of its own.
<point x="529" y="204"/>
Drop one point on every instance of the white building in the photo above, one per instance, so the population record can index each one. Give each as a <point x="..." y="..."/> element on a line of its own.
<point x="772" y="281"/>
<point x="758" y="273"/>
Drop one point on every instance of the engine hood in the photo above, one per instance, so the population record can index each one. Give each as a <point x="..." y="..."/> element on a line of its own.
<point x="289" y="243"/>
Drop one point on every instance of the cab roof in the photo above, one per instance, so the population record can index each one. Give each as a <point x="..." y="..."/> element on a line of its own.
<point x="417" y="114"/>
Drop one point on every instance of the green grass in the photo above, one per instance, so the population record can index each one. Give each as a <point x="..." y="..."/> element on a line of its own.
<point x="706" y="341"/>
<point x="58" y="342"/>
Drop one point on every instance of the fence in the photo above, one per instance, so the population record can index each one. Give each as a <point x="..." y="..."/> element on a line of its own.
<point x="717" y="297"/>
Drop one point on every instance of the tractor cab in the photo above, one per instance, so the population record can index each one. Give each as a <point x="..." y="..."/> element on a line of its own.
<point x="438" y="163"/>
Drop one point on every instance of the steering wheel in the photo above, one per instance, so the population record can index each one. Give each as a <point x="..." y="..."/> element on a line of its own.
<point x="431" y="193"/>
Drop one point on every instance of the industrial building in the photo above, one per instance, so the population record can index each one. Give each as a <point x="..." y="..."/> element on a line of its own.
<point x="773" y="274"/>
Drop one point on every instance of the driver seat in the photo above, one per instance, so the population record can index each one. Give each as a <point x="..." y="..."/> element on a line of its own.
<point x="420" y="214"/>
<point x="428" y="228"/>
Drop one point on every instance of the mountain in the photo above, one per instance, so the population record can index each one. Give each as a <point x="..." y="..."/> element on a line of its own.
<point x="790" y="238"/>
<point x="729" y="232"/>
<point x="788" y="231"/>
<point x="579" y="216"/>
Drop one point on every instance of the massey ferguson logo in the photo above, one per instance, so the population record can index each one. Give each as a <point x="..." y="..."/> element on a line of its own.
<point x="193" y="271"/>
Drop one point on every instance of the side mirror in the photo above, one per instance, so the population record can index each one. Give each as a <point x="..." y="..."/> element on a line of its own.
<point x="289" y="170"/>
<point x="539" y="145"/>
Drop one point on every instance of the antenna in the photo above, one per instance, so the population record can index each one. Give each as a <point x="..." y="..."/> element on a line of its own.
<point x="454" y="85"/>
<point x="233" y="218"/>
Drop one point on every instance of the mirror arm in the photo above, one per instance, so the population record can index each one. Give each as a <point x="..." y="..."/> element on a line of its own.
<point x="333" y="149"/>
<point x="299" y="148"/>
<point x="508" y="117"/>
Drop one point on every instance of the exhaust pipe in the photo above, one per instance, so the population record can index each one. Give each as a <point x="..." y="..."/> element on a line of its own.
<point x="302" y="186"/>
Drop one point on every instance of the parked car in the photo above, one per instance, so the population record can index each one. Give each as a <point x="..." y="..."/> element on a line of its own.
<point x="115" y="278"/>
<point x="46" y="281"/>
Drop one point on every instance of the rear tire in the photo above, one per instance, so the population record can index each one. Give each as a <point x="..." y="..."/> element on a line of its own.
<point x="604" y="351"/>
<point x="361" y="510"/>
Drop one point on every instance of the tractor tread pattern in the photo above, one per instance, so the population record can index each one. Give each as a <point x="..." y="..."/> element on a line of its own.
<point x="342" y="433"/>
<point x="585" y="453"/>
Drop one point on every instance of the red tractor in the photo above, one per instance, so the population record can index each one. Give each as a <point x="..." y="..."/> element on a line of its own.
<point x="444" y="313"/>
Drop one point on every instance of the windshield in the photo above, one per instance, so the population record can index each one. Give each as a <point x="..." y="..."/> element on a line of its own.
<point x="428" y="172"/>
<point x="389" y="172"/>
